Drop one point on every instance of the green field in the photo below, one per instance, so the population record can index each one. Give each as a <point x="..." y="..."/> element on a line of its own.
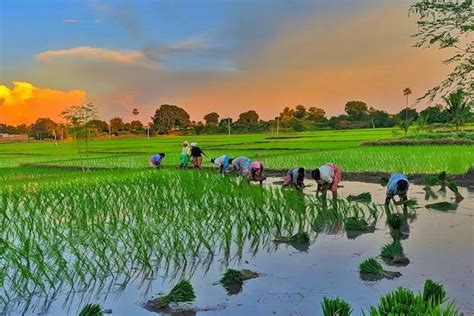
<point x="275" y="151"/>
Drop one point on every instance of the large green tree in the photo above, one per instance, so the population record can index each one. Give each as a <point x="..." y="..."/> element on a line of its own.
<point x="212" y="119"/>
<point x="43" y="128"/>
<point x="356" y="110"/>
<point x="248" y="118"/>
<point x="169" y="117"/>
<point x="448" y="24"/>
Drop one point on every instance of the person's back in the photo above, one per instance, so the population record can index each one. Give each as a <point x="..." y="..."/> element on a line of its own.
<point x="240" y="163"/>
<point x="397" y="185"/>
<point x="155" y="160"/>
<point x="196" y="152"/>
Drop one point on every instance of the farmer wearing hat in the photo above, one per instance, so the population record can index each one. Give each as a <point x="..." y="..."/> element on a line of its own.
<point x="196" y="155"/>
<point x="185" y="154"/>
<point x="256" y="172"/>
<point x="155" y="160"/>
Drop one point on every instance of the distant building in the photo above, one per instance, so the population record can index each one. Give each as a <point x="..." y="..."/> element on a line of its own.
<point x="12" y="137"/>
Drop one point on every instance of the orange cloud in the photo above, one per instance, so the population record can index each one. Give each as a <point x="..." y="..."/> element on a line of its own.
<point x="24" y="103"/>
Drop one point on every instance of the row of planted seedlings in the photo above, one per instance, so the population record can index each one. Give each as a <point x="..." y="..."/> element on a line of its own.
<point x="92" y="235"/>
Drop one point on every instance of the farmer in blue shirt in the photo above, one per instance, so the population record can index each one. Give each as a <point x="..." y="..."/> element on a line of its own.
<point x="155" y="160"/>
<point x="223" y="162"/>
<point x="397" y="185"/>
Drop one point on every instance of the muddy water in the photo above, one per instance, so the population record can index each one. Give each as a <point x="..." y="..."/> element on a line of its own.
<point x="440" y="246"/>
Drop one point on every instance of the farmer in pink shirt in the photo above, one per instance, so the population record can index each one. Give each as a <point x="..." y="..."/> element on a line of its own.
<point x="328" y="177"/>
<point x="256" y="172"/>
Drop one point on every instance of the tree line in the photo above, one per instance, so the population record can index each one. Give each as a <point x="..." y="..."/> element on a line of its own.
<point x="83" y="122"/>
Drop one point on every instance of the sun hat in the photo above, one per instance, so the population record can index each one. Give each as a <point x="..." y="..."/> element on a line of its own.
<point x="194" y="144"/>
<point x="185" y="142"/>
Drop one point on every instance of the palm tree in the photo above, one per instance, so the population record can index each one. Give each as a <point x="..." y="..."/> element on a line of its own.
<point x="406" y="92"/>
<point x="458" y="107"/>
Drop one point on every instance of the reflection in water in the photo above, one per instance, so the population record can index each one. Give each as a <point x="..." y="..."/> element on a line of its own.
<point x="93" y="240"/>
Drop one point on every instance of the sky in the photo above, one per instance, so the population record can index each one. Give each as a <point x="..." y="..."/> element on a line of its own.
<point x="226" y="56"/>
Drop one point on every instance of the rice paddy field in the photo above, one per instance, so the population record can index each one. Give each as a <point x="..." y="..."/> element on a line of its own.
<point x="121" y="234"/>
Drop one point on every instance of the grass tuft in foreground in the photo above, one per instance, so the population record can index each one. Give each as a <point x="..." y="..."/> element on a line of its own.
<point x="371" y="270"/>
<point x="393" y="253"/>
<point x="335" y="307"/>
<point x="433" y="292"/>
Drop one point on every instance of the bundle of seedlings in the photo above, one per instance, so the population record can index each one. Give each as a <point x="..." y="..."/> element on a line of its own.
<point x="371" y="270"/>
<point x="365" y="197"/>
<point x="92" y="310"/>
<point x="442" y="206"/>
<point x="358" y="224"/>
<point x="404" y="302"/>
<point x="335" y="307"/>
<point x="298" y="238"/>
<point x="182" y="292"/>
<point x="232" y="280"/>
<point x="444" y="183"/>
<point x="393" y="254"/>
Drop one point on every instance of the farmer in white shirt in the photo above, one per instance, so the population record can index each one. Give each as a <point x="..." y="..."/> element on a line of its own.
<point x="222" y="162"/>
<point x="328" y="177"/>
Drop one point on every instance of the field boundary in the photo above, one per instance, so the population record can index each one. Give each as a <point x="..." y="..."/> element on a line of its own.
<point x="414" y="142"/>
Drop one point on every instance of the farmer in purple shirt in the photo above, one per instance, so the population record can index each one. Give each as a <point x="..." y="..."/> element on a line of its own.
<point x="155" y="160"/>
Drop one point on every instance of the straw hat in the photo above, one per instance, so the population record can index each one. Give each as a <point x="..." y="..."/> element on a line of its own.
<point x="194" y="144"/>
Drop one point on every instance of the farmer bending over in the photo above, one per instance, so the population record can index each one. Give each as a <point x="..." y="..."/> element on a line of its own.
<point x="241" y="165"/>
<point x="328" y="177"/>
<point x="397" y="185"/>
<point x="295" y="176"/>
<point x="222" y="162"/>
<point x="256" y="172"/>
<point x="155" y="160"/>
<point x="196" y="155"/>
<point x="185" y="154"/>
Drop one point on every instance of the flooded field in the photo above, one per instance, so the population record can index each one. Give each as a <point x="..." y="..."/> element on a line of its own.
<point x="293" y="279"/>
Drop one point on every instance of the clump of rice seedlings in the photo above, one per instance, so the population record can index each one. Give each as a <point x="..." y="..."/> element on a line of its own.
<point x="335" y="307"/>
<point x="442" y="181"/>
<point x="442" y="206"/>
<point x="233" y="280"/>
<point x="357" y="224"/>
<point x="182" y="292"/>
<point x="365" y="197"/>
<point x="404" y="302"/>
<point x="411" y="203"/>
<point x="393" y="253"/>
<point x="395" y="221"/>
<point x="434" y="292"/>
<point x="298" y="238"/>
<point x="92" y="310"/>
<point x="370" y="269"/>
<point x="429" y="193"/>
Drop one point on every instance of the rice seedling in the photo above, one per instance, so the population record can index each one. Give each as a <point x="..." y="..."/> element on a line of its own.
<point x="395" y="221"/>
<point x="233" y="280"/>
<point x="357" y="224"/>
<point x="371" y="270"/>
<point x="298" y="238"/>
<point x="434" y="292"/>
<point x="443" y="182"/>
<point x="365" y="197"/>
<point x="182" y="292"/>
<point x="393" y="254"/>
<point x="335" y="307"/>
<point x="442" y="206"/>
<point x="92" y="310"/>
<point x="404" y="302"/>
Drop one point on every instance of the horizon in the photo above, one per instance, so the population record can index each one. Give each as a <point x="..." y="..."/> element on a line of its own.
<point x="209" y="57"/>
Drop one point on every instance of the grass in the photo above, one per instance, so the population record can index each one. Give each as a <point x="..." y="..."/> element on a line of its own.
<point x="365" y="197"/>
<point x="92" y="310"/>
<point x="442" y="206"/>
<point x="392" y="250"/>
<point x="232" y="280"/>
<point x="371" y="270"/>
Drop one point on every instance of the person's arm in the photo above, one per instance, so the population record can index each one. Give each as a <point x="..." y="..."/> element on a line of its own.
<point x="221" y="168"/>
<point x="387" y="200"/>
<point x="334" y="195"/>
<point x="318" y="190"/>
<point x="150" y="162"/>
<point x="403" y="199"/>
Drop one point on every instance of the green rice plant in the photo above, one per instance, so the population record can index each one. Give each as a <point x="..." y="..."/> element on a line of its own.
<point x="393" y="254"/>
<point x="442" y="206"/>
<point x="92" y="310"/>
<point x="335" y="307"/>
<point x="232" y="280"/>
<point x="395" y="221"/>
<point x="365" y="197"/>
<point x="356" y="224"/>
<point x="182" y="292"/>
<point x="392" y="250"/>
<point x="370" y="269"/>
<point x="298" y="238"/>
<point x="434" y="292"/>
